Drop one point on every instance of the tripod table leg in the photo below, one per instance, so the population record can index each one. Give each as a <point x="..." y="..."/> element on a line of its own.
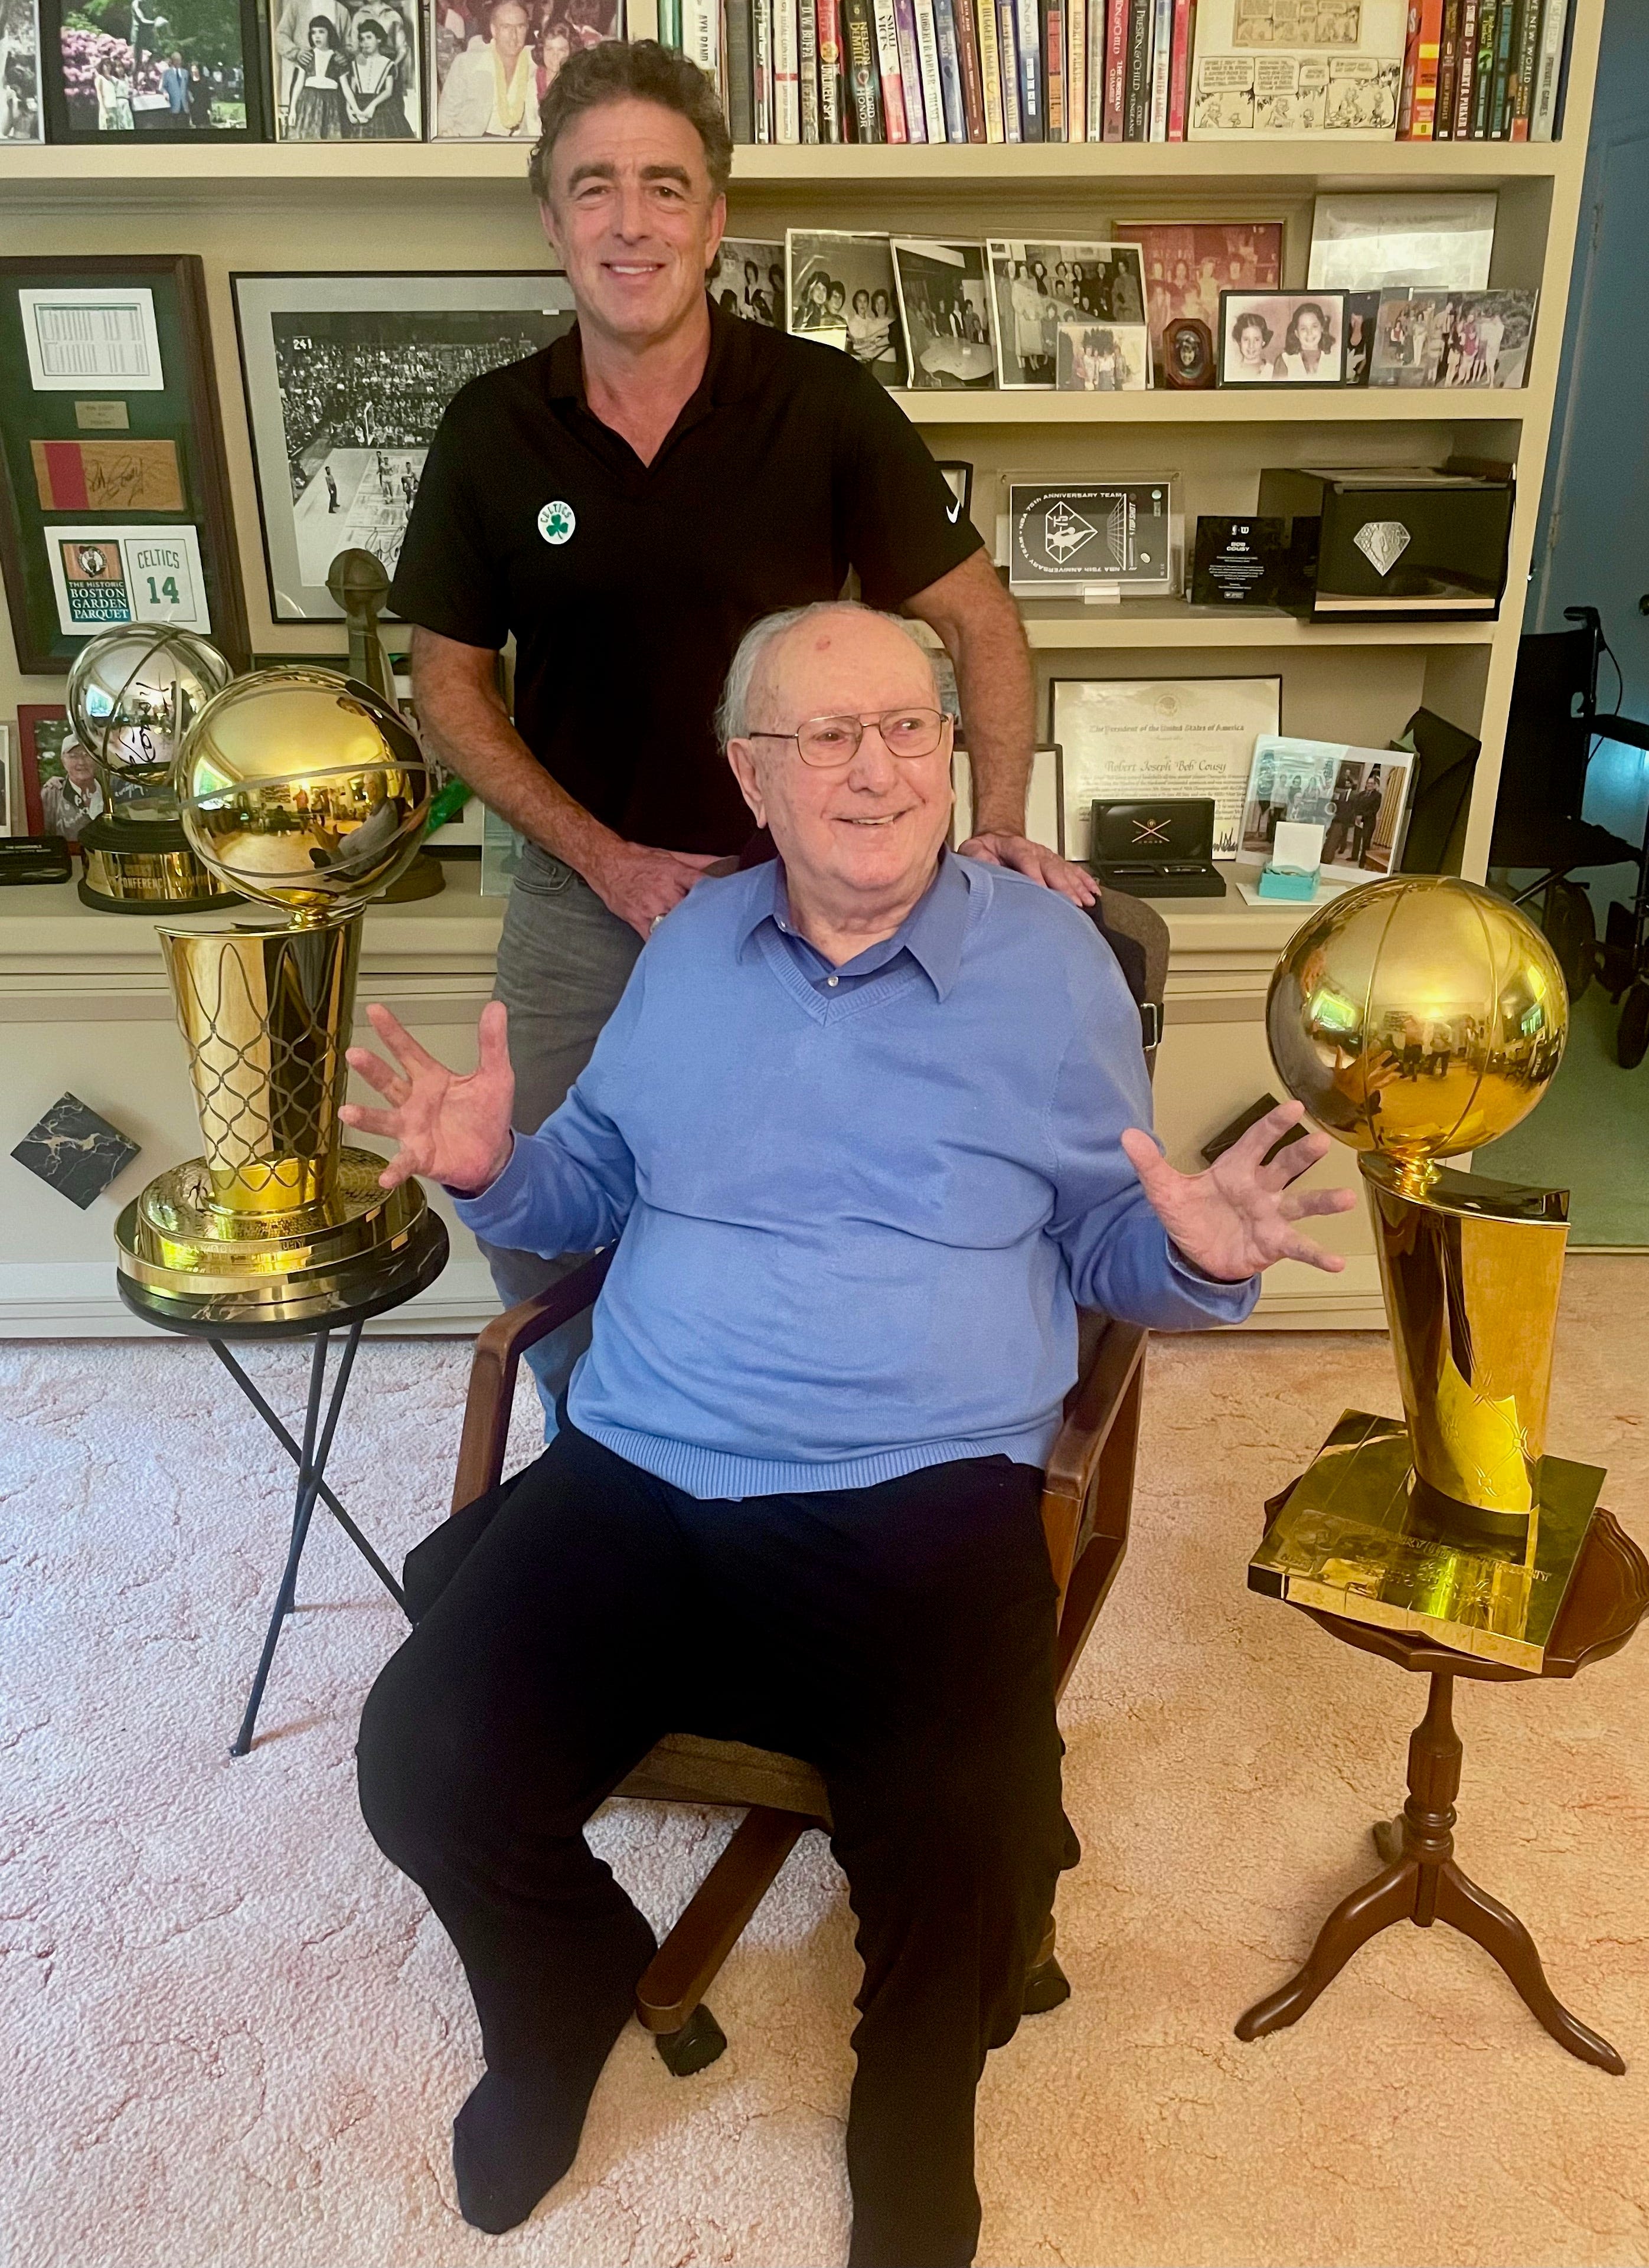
<point x="302" y="1512"/>
<point x="1499" y="1931"/>
<point x="1388" y="1897"/>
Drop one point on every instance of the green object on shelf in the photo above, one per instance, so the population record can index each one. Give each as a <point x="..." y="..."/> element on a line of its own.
<point x="447" y="802"/>
<point x="1277" y="882"/>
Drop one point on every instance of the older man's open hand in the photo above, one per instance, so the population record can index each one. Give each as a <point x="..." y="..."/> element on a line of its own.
<point x="453" y="1128"/>
<point x="1239" y="1216"/>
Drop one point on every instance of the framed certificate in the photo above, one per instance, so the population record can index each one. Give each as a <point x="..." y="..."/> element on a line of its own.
<point x="1140" y="738"/>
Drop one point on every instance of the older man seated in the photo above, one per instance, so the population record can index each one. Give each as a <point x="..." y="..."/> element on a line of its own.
<point x="870" y="1121"/>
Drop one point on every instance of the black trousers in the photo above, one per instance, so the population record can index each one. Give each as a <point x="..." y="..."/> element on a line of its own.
<point x="899" y="1638"/>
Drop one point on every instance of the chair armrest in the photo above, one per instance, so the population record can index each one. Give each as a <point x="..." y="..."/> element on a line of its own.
<point x="497" y="1357"/>
<point x="1077" y="1457"/>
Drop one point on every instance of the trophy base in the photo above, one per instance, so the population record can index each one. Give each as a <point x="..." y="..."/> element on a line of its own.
<point x="1360" y="1535"/>
<point x="362" y="1250"/>
<point x="141" y="866"/>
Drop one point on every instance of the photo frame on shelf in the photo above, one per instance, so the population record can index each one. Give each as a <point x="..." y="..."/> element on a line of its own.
<point x="186" y="71"/>
<point x="1357" y="796"/>
<point x="1188" y="264"/>
<point x="1143" y="738"/>
<point x="58" y="785"/>
<point x="1453" y="339"/>
<point x="944" y="305"/>
<point x="346" y="378"/>
<point x="1038" y="285"/>
<point x="1282" y="338"/>
<point x="114" y="489"/>
<point x="486" y="80"/>
<point x="22" y="104"/>
<point x="841" y="291"/>
<point x="1099" y="357"/>
<point x="749" y="280"/>
<point x="343" y="74"/>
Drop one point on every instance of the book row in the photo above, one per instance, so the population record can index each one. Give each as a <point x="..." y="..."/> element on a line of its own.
<point x="1127" y="70"/>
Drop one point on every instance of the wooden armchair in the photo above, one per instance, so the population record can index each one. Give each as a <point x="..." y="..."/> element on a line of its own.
<point x="1086" y="1501"/>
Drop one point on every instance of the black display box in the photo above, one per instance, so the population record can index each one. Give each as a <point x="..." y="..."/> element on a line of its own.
<point x="1397" y="543"/>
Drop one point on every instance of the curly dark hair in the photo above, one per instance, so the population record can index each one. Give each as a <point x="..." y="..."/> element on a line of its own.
<point x="1290" y="343"/>
<point x="616" y="70"/>
<point x="1251" y="320"/>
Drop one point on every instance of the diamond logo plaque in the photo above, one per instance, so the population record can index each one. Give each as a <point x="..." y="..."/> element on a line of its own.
<point x="1382" y="543"/>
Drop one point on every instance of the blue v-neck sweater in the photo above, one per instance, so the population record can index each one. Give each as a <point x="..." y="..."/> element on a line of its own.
<point x="858" y="1216"/>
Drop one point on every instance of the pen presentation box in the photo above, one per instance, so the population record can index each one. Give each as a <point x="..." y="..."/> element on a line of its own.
<point x="1396" y="543"/>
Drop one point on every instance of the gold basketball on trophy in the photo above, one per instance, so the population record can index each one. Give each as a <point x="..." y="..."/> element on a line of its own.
<point x="1418" y="1017"/>
<point x="304" y="789"/>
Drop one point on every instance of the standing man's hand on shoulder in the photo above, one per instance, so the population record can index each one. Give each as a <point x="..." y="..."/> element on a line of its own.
<point x="1036" y="859"/>
<point x="641" y="885"/>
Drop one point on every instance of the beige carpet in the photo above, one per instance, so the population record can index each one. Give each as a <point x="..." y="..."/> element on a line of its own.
<point x="233" y="2036"/>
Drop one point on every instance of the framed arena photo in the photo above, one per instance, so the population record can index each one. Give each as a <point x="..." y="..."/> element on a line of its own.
<point x="347" y="378"/>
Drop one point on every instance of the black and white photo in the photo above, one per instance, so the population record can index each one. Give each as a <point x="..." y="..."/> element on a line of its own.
<point x="945" y="301"/>
<point x="749" y="280"/>
<point x="1103" y="359"/>
<point x="1452" y="338"/>
<point x="841" y="292"/>
<point x="20" y="115"/>
<point x="1282" y="338"/>
<point x="344" y="72"/>
<point x="1036" y="287"/>
<point x="347" y="378"/>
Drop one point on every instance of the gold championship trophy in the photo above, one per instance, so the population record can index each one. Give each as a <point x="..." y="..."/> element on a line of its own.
<point x="133" y="693"/>
<point x="303" y="789"/>
<point x="1418" y="1019"/>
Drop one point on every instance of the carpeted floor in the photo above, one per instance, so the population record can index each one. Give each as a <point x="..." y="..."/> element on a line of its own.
<point x="233" y="2036"/>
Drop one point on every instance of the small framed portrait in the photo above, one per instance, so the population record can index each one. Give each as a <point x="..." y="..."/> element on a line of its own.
<point x="60" y="790"/>
<point x="749" y="280"/>
<point x="21" y="119"/>
<point x="491" y="62"/>
<point x="1102" y="358"/>
<point x="168" y="71"/>
<point x="1357" y="796"/>
<point x="346" y="73"/>
<point x="1282" y="338"/>
<point x="1036" y="287"/>
<point x="841" y="291"/>
<point x="945" y="304"/>
<point x="1188" y="354"/>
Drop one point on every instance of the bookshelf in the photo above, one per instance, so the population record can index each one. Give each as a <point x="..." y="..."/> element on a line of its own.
<point x="459" y="206"/>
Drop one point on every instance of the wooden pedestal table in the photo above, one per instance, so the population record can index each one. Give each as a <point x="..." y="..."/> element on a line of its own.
<point x="1419" y="1881"/>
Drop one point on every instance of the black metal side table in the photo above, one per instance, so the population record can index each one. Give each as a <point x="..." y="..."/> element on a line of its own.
<point x="310" y="1456"/>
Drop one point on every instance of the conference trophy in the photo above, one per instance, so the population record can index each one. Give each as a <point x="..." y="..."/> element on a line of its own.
<point x="305" y="791"/>
<point x="133" y="693"/>
<point x="1418" y="1019"/>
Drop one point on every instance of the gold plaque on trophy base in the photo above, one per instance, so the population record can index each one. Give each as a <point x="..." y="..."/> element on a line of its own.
<point x="1361" y="1535"/>
<point x="185" y="1259"/>
<point x="139" y="868"/>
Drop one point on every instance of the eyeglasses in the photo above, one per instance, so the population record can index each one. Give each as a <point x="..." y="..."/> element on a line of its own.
<point x="829" y="742"/>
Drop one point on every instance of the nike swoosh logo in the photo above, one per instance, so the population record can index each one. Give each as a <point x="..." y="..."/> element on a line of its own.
<point x="951" y="512"/>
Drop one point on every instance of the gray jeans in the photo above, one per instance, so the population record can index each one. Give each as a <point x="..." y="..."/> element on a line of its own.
<point x="564" y="959"/>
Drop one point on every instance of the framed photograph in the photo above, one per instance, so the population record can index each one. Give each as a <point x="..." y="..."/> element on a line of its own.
<point x="1282" y="338"/>
<point x="1189" y="359"/>
<point x="347" y="378"/>
<point x="114" y="491"/>
<point x="1138" y="739"/>
<point x="749" y="280"/>
<point x="840" y="291"/>
<point x="1452" y="338"/>
<point x="1362" y="311"/>
<point x="492" y="61"/>
<point x="1357" y="796"/>
<point x="168" y="71"/>
<point x="22" y="114"/>
<point x="1427" y="243"/>
<point x="944" y="305"/>
<point x="343" y="73"/>
<point x="1036" y="287"/>
<point x="1124" y="539"/>
<point x="60" y="787"/>
<point x="1188" y="264"/>
<point x="1102" y="358"/>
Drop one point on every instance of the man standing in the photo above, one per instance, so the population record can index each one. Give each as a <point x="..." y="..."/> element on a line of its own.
<point x="626" y="503"/>
<point x="490" y="93"/>
<point x="175" y="85"/>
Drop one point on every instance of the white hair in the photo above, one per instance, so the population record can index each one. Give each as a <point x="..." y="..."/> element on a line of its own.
<point x="732" y="712"/>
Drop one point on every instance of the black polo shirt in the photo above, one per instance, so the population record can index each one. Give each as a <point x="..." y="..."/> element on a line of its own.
<point x="627" y="586"/>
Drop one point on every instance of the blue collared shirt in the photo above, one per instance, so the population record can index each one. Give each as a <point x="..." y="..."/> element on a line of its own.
<point x="858" y="1217"/>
